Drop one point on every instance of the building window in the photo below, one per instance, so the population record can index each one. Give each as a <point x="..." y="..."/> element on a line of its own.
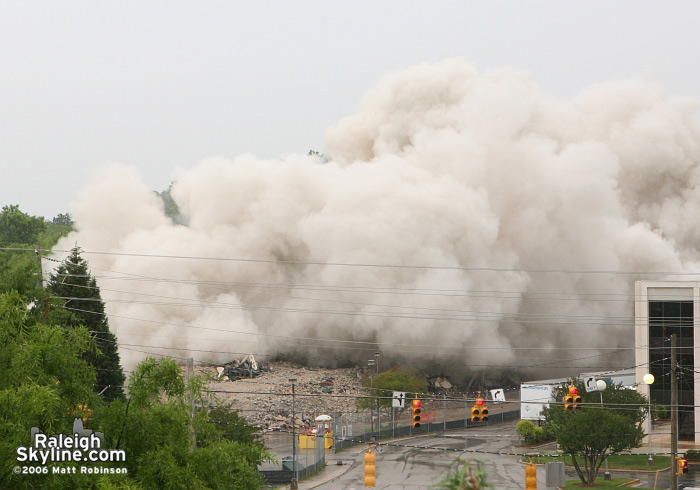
<point x="665" y="319"/>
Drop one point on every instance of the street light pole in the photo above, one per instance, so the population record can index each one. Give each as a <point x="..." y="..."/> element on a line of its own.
<point x="294" y="484"/>
<point x="370" y="363"/>
<point x="379" y="415"/>
<point x="674" y="415"/>
<point x="601" y="385"/>
<point x="649" y="380"/>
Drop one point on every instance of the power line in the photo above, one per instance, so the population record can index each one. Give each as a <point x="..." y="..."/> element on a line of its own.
<point x="372" y="265"/>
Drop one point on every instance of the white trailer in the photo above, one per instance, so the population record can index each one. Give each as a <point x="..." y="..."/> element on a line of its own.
<point x="533" y="399"/>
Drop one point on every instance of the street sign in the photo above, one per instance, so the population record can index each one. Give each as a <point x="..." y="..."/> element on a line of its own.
<point x="498" y="395"/>
<point x="591" y="385"/>
<point x="398" y="399"/>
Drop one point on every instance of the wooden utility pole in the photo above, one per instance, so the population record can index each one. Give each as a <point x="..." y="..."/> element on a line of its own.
<point x="190" y="374"/>
<point x="39" y="280"/>
<point x="674" y="415"/>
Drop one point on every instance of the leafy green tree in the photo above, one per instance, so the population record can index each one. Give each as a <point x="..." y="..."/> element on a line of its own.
<point x="17" y="227"/>
<point x="597" y="429"/>
<point x="62" y="220"/>
<point x="57" y="228"/>
<point x="19" y="272"/>
<point x="385" y="383"/>
<point x="233" y="427"/>
<point x="43" y="382"/>
<point x="170" y="207"/>
<point x="46" y="383"/>
<point x="463" y="477"/>
<point x="73" y="283"/>
<point x="156" y="428"/>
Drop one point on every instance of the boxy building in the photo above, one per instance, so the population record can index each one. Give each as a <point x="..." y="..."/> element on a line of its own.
<point x="663" y="308"/>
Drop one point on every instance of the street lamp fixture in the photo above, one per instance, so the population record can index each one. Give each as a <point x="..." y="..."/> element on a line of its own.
<point x="294" y="484"/>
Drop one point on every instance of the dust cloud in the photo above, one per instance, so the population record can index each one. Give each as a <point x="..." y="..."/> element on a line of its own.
<point x="505" y="217"/>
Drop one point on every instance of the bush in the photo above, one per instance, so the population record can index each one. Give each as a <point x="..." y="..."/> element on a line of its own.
<point x="662" y="412"/>
<point x="526" y="430"/>
<point x="534" y="435"/>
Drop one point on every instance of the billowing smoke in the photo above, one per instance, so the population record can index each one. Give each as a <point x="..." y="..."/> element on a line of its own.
<point x="492" y="203"/>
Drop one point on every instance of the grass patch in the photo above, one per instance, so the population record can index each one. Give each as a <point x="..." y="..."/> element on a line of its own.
<point x="600" y="483"/>
<point x="615" y="462"/>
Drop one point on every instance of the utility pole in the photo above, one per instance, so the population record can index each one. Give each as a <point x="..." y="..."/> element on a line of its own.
<point x="295" y="482"/>
<point x="190" y="374"/>
<point x="674" y="415"/>
<point x="37" y="251"/>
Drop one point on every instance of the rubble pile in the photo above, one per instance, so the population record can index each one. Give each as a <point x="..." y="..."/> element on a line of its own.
<point x="439" y="384"/>
<point x="245" y="368"/>
<point x="263" y="395"/>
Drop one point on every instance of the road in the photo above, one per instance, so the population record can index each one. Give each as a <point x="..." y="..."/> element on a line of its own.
<point x="410" y="464"/>
<point x="406" y="467"/>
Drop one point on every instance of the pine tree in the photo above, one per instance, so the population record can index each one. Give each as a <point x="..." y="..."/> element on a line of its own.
<point x="73" y="283"/>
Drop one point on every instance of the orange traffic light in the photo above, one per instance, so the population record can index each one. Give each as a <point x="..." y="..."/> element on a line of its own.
<point x="682" y="466"/>
<point x="530" y="476"/>
<point x="415" y="414"/>
<point x="475" y="413"/>
<point x="484" y="415"/>
<point x="370" y="467"/>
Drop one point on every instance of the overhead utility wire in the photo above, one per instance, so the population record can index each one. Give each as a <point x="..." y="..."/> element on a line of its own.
<point x="390" y="266"/>
<point x="381" y="314"/>
<point x="496" y="314"/>
<point x="227" y="285"/>
<point x="370" y="344"/>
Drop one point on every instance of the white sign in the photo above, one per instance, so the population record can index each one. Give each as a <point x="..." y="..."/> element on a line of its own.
<point x="349" y="430"/>
<point x="398" y="399"/>
<point x="590" y="383"/>
<point x="498" y="395"/>
<point x="533" y="399"/>
<point x="344" y="432"/>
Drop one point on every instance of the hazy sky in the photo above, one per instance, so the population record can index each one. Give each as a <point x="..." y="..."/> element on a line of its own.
<point x="161" y="85"/>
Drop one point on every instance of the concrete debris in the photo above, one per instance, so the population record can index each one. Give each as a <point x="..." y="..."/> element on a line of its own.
<point x="439" y="383"/>
<point x="245" y="368"/>
<point x="265" y="398"/>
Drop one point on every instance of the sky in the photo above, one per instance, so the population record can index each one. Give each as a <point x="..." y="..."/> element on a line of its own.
<point x="163" y="85"/>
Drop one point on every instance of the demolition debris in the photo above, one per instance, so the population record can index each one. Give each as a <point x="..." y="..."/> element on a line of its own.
<point x="245" y="368"/>
<point x="262" y="394"/>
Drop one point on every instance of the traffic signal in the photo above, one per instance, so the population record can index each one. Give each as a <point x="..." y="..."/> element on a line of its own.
<point x="370" y="467"/>
<point x="682" y="466"/>
<point x="572" y="400"/>
<point x="475" y="413"/>
<point x="568" y="402"/>
<point x="415" y="414"/>
<point x="484" y="415"/>
<point x="530" y="476"/>
<point x="577" y="402"/>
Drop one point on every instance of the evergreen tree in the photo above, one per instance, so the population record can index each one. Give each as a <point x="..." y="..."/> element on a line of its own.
<point x="73" y="283"/>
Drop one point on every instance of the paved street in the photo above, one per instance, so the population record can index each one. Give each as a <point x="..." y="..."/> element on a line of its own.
<point x="413" y="468"/>
<point x="405" y="466"/>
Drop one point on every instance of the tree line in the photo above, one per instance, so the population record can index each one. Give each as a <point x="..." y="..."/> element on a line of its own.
<point x="60" y="362"/>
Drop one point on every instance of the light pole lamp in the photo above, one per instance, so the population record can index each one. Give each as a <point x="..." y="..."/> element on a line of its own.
<point x="649" y="380"/>
<point x="294" y="484"/>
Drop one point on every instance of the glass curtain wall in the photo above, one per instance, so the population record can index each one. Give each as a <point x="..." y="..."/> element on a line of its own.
<point x="665" y="319"/>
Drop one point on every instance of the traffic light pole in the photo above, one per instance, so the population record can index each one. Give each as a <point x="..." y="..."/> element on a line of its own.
<point x="674" y="416"/>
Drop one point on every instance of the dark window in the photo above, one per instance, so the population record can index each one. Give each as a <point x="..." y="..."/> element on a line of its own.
<point x="665" y="319"/>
